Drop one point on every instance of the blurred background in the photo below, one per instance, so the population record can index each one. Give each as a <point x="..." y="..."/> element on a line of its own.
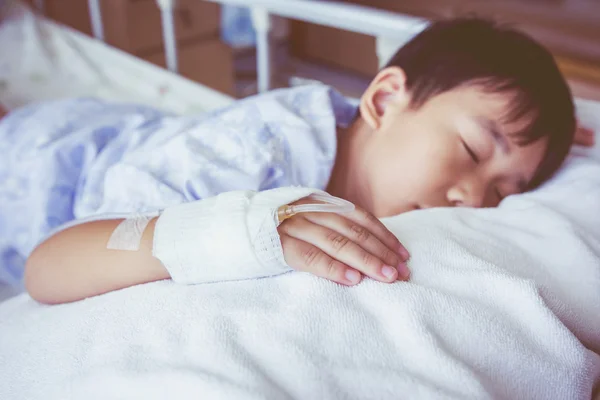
<point x="216" y="43"/>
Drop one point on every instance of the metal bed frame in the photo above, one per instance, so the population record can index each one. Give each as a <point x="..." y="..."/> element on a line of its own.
<point x="391" y="30"/>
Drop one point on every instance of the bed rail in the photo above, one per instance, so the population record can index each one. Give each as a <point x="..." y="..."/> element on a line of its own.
<point x="390" y="29"/>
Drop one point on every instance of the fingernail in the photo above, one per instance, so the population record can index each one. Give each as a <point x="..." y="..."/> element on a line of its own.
<point x="388" y="272"/>
<point x="352" y="276"/>
<point x="403" y="253"/>
<point x="403" y="271"/>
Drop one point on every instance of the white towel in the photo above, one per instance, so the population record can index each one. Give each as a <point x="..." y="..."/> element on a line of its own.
<point x="502" y="304"/>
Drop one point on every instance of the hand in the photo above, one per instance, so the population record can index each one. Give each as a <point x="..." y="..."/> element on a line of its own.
<point x="584" y="136"/>
<point x="342" y="248"/>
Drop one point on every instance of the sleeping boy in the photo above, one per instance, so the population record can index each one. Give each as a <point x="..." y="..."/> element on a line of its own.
<point x="464" y="115"/>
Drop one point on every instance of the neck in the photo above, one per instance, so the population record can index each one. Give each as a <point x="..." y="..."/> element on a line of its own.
<point x="348" y="177"/>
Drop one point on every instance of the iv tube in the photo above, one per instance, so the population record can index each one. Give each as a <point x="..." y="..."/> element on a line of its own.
<point x="326" y="203"/>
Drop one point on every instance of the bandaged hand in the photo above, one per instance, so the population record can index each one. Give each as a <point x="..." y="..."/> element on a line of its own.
<point x="343" y="247"/>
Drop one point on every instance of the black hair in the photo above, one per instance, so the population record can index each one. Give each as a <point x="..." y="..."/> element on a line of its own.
<point x="464" y="51"/>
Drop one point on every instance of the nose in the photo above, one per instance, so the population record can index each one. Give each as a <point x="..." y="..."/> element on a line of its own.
<point x="469" y="192"/>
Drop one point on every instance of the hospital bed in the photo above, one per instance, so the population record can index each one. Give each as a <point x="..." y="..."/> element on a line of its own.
<point x="43" y="60"/>
<point x="260" y="357"/>
<point x="55" y="61"/>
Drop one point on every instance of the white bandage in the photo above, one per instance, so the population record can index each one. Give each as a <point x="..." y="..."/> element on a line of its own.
<point x="227" y="237"/>
<point x="128" y="234"/>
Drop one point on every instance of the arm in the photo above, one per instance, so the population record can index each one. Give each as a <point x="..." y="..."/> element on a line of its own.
<point x="185" y="243"/>
<point x="75" y="263"/>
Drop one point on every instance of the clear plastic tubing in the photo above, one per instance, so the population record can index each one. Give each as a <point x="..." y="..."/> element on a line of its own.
<point x="325" y="203"/>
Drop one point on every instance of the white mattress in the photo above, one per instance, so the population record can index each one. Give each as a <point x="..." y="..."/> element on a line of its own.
<point x="41" y="60"/>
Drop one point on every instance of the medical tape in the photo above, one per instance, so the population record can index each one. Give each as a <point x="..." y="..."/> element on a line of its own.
<point x="128" y="234"/>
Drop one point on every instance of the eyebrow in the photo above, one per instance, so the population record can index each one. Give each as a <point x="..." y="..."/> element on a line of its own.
<point x="491" y="128"/>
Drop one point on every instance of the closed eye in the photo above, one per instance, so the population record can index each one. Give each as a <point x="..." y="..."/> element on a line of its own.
<point x="471" y="152"/>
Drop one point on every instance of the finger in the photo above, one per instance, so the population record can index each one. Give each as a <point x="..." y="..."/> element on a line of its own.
<point x="303" y="256"/>
<point x="341" y="248"/>
<point x="584" y="136"/>
<point x="375" y="226"/>
<point x="371" y="224"/>
<point x="357" y="234"/>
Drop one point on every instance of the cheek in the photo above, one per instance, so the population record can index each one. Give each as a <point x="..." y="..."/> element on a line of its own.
<point x="425" y="161"/>
<point x="529" y="158"/>
<point x="410" y="170"/>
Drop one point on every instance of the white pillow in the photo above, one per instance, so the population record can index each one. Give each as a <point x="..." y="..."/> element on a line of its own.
<point x="588" y="113"/>
<point x="565" y="214"/>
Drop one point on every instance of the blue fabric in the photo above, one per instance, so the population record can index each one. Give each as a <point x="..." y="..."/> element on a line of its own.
<point x="78" y="158"/>
<point x="236" y="26"/>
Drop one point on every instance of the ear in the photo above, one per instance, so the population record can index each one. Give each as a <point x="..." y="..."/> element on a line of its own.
<point x="388" y="87"/>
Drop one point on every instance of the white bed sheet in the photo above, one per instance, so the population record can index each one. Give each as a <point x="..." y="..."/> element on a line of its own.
<point x="41" y="60"/>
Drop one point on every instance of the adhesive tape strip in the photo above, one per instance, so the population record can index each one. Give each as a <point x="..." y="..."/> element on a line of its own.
<point x="128" y="234"/>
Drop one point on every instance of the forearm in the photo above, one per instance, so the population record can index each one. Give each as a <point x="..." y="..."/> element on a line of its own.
<point x="75" y="264"/>
<point x="209" y="240"/>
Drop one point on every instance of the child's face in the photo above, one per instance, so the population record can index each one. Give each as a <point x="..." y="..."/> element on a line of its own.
<point x="452" y="151"/>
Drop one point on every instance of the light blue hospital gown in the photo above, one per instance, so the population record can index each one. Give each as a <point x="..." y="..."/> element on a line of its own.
<point x="78" y="158"/>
